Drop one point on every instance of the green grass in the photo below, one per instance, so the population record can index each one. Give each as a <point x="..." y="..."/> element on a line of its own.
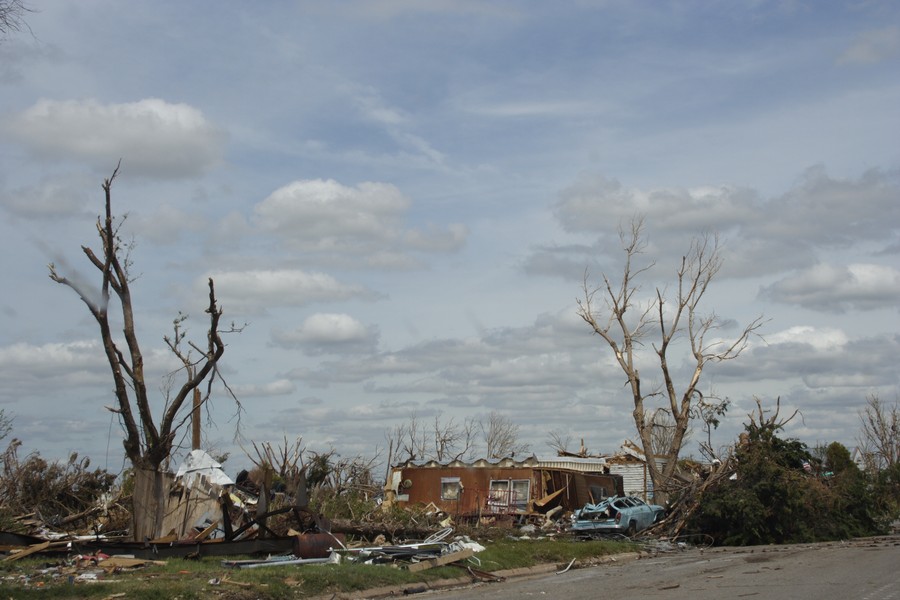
<point x="188" y="580"/>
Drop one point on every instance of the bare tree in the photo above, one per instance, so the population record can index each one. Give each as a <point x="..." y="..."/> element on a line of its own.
<point x="147" y="440"/>
<point x="678" y="320"/>
<point x="501" y="437"/>
<point x="879" y="438"/>
<point x="5" y="424"/>
<point x="768" y="426"/>
<point x="444" y="440"/>
<point x="12" y="14"/>
<point x="452" y="441"/>
<point x="408" y="440"/>
<point x="284" y="460"/>
<point x="559" y="441"/>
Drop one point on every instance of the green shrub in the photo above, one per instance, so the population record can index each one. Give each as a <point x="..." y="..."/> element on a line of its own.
<point x="778" y="495"/>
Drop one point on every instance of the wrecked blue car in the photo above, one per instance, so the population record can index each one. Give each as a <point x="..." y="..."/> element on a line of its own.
<point x="617" y="514"/>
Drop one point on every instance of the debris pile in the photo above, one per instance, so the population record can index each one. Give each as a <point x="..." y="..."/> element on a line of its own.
<point x="414" y="556"/>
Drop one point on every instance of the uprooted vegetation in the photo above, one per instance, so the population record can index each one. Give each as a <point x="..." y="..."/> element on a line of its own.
<point x="775" y="490"/>
<point x="62" y="494"/>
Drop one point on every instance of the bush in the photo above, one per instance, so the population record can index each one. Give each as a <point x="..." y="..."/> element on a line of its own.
<point x="779" y="495"/>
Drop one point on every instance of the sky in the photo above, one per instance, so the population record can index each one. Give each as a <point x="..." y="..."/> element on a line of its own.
<point x="399" y="202"/>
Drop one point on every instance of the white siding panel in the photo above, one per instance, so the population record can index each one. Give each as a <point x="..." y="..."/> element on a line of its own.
<point x="632" y="477"/>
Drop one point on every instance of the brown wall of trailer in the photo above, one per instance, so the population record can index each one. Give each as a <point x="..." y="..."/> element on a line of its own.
<point x="423" y="485"/>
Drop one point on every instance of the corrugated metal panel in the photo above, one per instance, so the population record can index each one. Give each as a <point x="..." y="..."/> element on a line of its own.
<point x="572" y="463"/>
<point x="481" y="463"/>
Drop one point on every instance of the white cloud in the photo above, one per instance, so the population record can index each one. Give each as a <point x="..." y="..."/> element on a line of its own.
<point x="533" y="108"/>
<point x="838" y="289"/>
<point x="167" y="224"/>
<point x="364" y="223"/>
<point x="329" y="333"/>
<point x="759" y="236"/>
<point x="151" y="136"/>
<point x="330" y="327"/>
<point x="832" y="212"/>
<point x="820" y="339"/>
<point x="435" y="239"/>
<point x="872" y="46"/>
<point x="23" y="357"/>
<point x="389" y="9"/>
<point x="280" y="387"/>
<point x="324" y="214"/>
<point x="257" y="291"/>
<point x="61" y="197"/>
<point x="468" y="119"/>
<point x="600" y="204"/>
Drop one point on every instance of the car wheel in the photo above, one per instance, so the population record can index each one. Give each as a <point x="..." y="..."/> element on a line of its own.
<point x="632" y="529"/>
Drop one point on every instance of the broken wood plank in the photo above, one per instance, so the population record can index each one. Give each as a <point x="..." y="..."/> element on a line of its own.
<point x="28" y="551"/>
<point x="541" y="502"/>
<point x="121" y="562"/>
<point x="206" y="532"/>
<point x="166" y="539"/>
<point x="446" y="559"/>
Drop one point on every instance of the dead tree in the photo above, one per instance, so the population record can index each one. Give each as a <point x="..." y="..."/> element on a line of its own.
<point x="678" y="320"/>
<point x="879" y="438"/>
<point x="147" y="440"/>
<point x="12" y="16"/>
<point x="501" y="437"/>
<point x="5" y="424"/>
<point x="444" y="440"/>
<point x="451" y="440"/>
<point x="559" y="441"/>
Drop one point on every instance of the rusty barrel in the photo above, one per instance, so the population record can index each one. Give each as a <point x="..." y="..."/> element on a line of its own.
<point x="317" y="545"/>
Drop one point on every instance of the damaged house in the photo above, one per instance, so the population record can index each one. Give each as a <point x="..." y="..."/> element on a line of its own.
<point x="631" y="464"/>
<point x="508" y="486"/>
<point x="534" y="485"/>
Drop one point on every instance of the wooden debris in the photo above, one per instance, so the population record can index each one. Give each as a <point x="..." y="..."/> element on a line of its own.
<point x="28" y="551"/>
<point x="206" y="532"/>
<point x="445" y="559"/>
<point x="122" y="562"/>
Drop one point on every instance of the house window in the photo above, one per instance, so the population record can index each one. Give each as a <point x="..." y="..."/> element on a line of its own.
<point x="508" y="495"/>
<point x="519" y="496"/>
<point x="450" y="488"/>
<point x="598" y="493"/>
<point x="498" y="496"/>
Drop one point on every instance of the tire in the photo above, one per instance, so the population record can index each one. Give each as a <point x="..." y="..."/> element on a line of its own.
<point x="632" y="529"/>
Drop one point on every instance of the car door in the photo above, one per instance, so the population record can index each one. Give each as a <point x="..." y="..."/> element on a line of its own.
<point x="643" y="515"/>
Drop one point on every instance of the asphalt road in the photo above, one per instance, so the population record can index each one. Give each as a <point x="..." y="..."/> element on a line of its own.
<point x="866" y="569"/>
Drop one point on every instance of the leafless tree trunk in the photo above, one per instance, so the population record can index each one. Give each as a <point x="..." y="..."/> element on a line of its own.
<point x="501" y="437"/>
<point x="679" y="319"/>
<point x="662" y="430"/>
<point x="148" y="442"/>
<point x="879" y="438"/>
